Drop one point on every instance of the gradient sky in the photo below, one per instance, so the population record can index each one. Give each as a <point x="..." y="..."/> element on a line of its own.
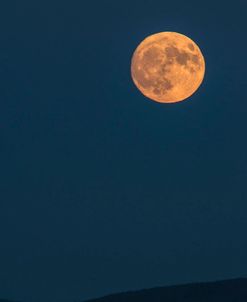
<point x="102" y="190"/>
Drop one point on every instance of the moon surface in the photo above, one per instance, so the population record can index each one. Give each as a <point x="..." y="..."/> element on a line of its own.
<point x="167" y="67"/>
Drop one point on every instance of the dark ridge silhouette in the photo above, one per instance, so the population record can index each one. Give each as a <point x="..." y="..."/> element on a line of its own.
<point x="220" y="291"/>
<point x="6" y="300"/>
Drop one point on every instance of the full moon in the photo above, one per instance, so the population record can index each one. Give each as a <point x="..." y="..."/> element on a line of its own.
<point x="167" y="67"/>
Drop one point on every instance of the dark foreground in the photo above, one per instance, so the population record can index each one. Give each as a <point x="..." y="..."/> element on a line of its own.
<point x="221" y="291"/>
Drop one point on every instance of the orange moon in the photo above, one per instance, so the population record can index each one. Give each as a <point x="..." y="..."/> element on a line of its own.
<point x="167" y="67"/>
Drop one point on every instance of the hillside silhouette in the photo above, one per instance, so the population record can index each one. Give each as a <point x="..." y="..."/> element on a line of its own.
<point x="221" y="291"/>
<point x="5" y="300"/>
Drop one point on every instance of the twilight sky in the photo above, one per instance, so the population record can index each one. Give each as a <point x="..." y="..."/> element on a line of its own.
<point x="102" y="190"/>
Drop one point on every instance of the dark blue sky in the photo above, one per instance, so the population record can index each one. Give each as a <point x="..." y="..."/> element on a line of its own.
<point x="102" y="190"/>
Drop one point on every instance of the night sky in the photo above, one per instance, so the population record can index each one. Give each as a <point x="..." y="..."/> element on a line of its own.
<point x="101" y="189"/>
